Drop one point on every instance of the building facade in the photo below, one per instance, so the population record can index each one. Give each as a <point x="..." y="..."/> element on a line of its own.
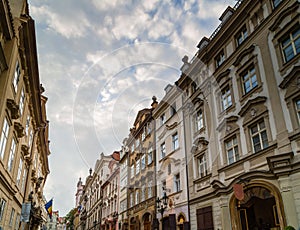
<point x="24" y="145"/>
<point x="242" y="120"/>
<point x="141" y="206"/>
<point x="110" y="195"/>
<point x="171" y="177"/>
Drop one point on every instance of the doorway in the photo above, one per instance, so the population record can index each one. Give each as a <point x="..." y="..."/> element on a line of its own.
<point x="258" y="210"/>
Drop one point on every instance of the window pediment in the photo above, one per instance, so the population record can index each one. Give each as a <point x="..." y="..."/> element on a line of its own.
<point x="199" y="145"/>
<point x="243" y="54"/>
<point x="223" y="75"/>
<point x="289" y="11"/>
<point x="228" y="126"/>
<point x="291" y="82"/>
<point x="250" y="104"/>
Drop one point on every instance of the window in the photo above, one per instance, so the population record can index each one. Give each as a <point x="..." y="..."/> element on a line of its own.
<point x="132" y="171"/>
<point x="30" y="138"/>
<point x="162" y="119"/>
<point x="220" y="59"/>
<point x="276" y="3"/>
<point x="231" y="147"/>
<point x="22" y="101"/>
<point x="149" y="128"/>
<point x="23" y="180"/>
<point x="202" y="167"/>
<point x="143" y="193"/>
<point x="19" y="172"/>
<point x="177" y="182"/>
<point x="249" y="80"/>
<point x="290" y="44"/>
<point x="163" y="150"/>
<point x="199" y="120"/>
<point x="131" y="199"/>
<point x="137" y="169"/>
<point x="27" y="125"/>
<point x="163" y="186"/>
<point x="175" y="141"/>
<point x="4" y="136"/>
<point x="17" y="222"/>
<point x="2" y="208"/>
<point x="12" y="215"/>
<point x="150" y="184"/>
<point x="259" y="136"/>
<point x="137" y="142"/>
<point x="137" y="197"/>
<point x="11" y="155"/>
<point x="297" y="104"/>
<point x="143" y="162"/>
<point x="16" y="76"/>
<point x="226" y="98"/>
<point x="173" y="109"/>
<point x="241" y="36"/>
<point x="150" y="157"/>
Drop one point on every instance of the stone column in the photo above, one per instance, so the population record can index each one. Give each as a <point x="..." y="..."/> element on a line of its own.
<point x="288" y="201"/>
<point x="225" y="213"/>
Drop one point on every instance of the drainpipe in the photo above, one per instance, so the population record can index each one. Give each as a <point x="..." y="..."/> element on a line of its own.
<point x="186" y="164"/>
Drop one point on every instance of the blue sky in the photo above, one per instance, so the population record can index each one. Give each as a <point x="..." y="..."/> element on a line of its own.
<point x="101" y="61"/>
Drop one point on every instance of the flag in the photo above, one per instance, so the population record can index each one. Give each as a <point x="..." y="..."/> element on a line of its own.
<point x="48" y="207"/>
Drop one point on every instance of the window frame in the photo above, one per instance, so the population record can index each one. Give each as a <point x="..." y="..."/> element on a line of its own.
<point x="177" y="183"/>
<point x="236" y="155"/>
<point x="219" y="59"/>
<point x="163" y="152"/>
<point x="223" y="108"/>
<point x="241" y="34"/>
<point x="2" y="208"/>
<point x="17" y="76"/>
<point x="202" y="164"/>
<point x="12" y="153"/>
<point x="4" y="137"/>
<point x="259" y="134"/>
<point x="175" y="141"/>
<point x="199" y="120"/>
<point x="288" y="36"/>
<point x="149" y="153"/>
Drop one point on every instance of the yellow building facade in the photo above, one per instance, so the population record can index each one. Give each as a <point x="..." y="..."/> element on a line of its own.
<point x="24" y="145"/>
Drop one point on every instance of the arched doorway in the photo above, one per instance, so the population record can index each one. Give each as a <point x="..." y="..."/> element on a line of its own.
<point x="261" y="209"/>
<point x="147" y="221"/>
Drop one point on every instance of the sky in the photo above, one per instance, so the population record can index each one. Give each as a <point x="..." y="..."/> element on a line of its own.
<point x="100" y="62"/>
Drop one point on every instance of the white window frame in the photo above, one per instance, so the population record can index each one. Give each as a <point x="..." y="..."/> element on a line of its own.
<point x="220" y="59"/>
<point x="291" y="43"/>
<point x="4" y="137"/>
<point x="226" y="98"/>
<point x="163" y="150"/>
<point x="137" y="167"/>
<point x="259" y="133"/>
<point x="249" y="76"/>
<point x="177" y="182"/>
<point x="175" y="141"/>
<point x="231" y="146"/>
<point x="199" y="121"/>
<point x="150" y="156"/>
<point x="20" y="168"/>
<point x="241" y="36"/>
<point x="297" y="108"/>
<point x="22" y="102"/>
<point x="143" y="162"/>
<point x="202" y="165"/>
<point x="2" y="208"/>
<point x="12" y="153"/>
<point x="17" y="75"/>
<point x="132" y="171"/>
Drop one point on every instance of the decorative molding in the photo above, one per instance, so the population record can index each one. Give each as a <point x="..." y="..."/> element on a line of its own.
<point x="19" y="129"/>
<point x="281" y="164"/>
<point x="250" y="103"/>
<point x="227" y="120"/>
<point x="13" y="107"/>
<point x="295" y="72"/>
<point x="243" y="54"/>
<point x="172" y="126"/>
<point x="283" y="15"/>
<point x="222" y="75"/>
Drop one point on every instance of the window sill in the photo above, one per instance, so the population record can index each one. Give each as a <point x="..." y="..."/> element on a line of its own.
<point x="171" y="153"/>
<point x="250" y="93"/>
<point x="287" y="65"/>
<point x="201" y="179"/>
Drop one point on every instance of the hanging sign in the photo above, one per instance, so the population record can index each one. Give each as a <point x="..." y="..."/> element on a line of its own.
<point x="238" y="190"/>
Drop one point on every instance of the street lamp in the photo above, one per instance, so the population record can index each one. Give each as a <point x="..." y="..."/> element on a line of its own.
<point x="161" y="205"/>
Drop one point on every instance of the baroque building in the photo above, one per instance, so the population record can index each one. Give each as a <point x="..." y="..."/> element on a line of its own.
<point x="171" y="177"/>
<point x="24" y="144"/>
<point x="141" y="205"/>
<point x="242" y="119"/>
